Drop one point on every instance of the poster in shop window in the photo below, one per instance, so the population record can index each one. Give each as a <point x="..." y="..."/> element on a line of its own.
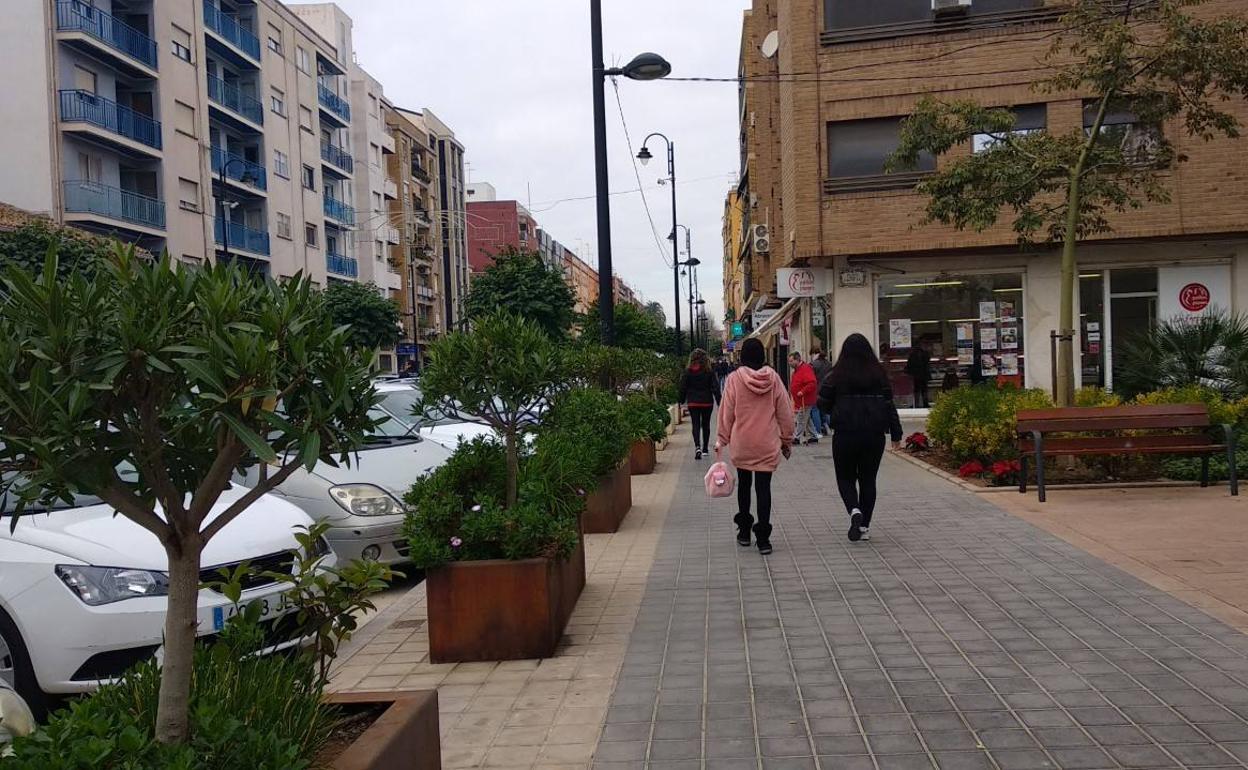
<point x="1009" y="364"/>
<point x="988" y="365"/>
<point x="966" y="344"/>
<point x="899" y="333"/>
<point x="988" y="312"/>
<point x="988" y="337"/>
<point x="1009" y="338"/>
<point x="1008" y="315"/>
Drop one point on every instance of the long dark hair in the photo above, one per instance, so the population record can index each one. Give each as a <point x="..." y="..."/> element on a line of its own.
<point x="698" y="357"/>
<point x="857" y="366"/>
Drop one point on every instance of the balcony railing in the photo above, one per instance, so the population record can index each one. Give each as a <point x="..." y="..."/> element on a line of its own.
<point x="84" y="197"/>
<point x="333" y="102"/>
<point x="420" y="173"/>
<point x="342" y="265"/>
<point x="242" y="237"/>
<point x="337" y="156"/>
<point x="230" y="97"/>
<point x="228" y="28"/>
<point x="336" y="209"/>
<point x="77" y="16"/>
<point x="86" y="107"/>
<point x="239" y="169"/>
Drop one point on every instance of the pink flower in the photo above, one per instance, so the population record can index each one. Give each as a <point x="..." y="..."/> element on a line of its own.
<point x="973" y="468"/>
<point x="456" y="542"/>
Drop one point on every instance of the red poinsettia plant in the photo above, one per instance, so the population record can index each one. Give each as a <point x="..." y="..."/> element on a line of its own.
<point x="972" y="468"/>
<point x="1006" y="471"/>
<point x="917" y="442"/>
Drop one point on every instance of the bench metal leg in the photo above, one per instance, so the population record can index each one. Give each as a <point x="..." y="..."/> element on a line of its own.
<point x="1039" y="439"/>
<point x="1232" y="470"/>
<point x="1204" y="470"/>
<point x="1022" y="475"/>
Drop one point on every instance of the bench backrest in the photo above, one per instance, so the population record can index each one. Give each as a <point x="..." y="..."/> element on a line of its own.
<point x="1096" y="418"/>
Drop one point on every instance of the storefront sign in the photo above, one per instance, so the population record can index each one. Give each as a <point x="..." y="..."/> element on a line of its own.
<point x="899" y="334"/>
<point x="763" y="316"/>
<point x="405" y="348"/>
<point x="801" y="282"/>
<point x="738" y="330"/>
<point x="1190" y="291"/>
<point x="853" y="278"/>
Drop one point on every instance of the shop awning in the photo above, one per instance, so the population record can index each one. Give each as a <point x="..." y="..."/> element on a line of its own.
<point x="773" y="323"/>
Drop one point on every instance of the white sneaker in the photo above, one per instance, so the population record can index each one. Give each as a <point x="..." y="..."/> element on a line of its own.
<point x="866" y="533"/>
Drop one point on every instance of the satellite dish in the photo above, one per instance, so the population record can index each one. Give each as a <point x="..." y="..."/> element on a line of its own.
<point x="771" y="44"/>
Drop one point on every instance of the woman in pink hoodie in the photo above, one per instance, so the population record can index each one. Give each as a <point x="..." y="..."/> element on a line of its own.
<point x="756" y="424"/>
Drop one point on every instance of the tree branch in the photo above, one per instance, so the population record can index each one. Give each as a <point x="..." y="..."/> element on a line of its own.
<point x="252" y="495"/>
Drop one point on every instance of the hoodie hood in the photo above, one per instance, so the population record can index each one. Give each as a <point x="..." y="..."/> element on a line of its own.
<point x="759" y="381"/>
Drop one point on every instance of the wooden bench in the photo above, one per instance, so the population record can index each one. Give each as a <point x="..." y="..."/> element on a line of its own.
<point x="1175" y="429"/>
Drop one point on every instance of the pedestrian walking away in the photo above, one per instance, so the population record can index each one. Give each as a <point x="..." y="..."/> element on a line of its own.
<point x="722" y="370"/>
<point x="919" y="367"/>
<point x="756" y="425"/>
<point x="822" y="367"/>
<point x="859" y="398"/>
<point x="804" y="389"/>
<point x="699" y="390"/>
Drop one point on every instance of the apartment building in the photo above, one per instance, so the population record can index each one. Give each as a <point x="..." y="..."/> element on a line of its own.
<point x="583" y="280"/>
<point x="452" y="214"/>
<point x="205" y="127"/>
<point x="734" y="243"/>
<point x="494" y="225"/>
<point x="419" y="248"/>
<point x="813" y="152"/>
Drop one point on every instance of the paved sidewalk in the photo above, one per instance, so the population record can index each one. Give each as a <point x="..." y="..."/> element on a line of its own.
<point x="960" y="637"/>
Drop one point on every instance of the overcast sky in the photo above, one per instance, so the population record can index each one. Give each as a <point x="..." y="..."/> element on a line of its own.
<point x="513" y="80"/>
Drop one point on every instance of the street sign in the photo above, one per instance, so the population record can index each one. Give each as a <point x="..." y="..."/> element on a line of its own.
<point x="406" y="348"/>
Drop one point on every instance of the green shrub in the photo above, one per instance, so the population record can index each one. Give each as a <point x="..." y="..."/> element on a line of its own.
<point x="594" y="421"/>
<point x="978" y="423"/>
<point x="1088" y="397"/>
<point x="1221" y="411"/>
<point x="1188" y="468"/>
<point x="645" y="418"/>
<point x="1210" y="351"/>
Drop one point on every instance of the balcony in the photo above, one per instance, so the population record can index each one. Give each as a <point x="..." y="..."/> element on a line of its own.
<point x="229" y="96"/>
<point x="425" y="293"/>
<point x="420" y="173"/>
<point x="421" y="215"/>
<point x="116" y="124"/>
<point x="334" y="103"/>
<point x="97" y="200"/>
<point x="337" y="157"/>
<point x="339" y="211"/>
<point x="337" y="264"/>
<point x="117" y="40"/>
<point x="228" y="29"/>
<point x="388" y="144"/>
<point x="242" y="238"/>
<point x="239" y="169"/>
<point x="390" y="189"/>
<point x="391" y="235"/>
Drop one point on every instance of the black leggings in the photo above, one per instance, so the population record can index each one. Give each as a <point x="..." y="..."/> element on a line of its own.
<point x="761" y="481"/>
<point x="701" y="417"/>
<point x="857" y="457"/>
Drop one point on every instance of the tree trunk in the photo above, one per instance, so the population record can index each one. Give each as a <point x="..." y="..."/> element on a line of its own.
<point x="172" y="715"/>
<point x="513" y="467"/>
<point x="1065" y="395"/>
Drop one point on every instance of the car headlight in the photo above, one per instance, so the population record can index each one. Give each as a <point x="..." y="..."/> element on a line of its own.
<point x="105" y="585"/>
<point x="365" y="500"/>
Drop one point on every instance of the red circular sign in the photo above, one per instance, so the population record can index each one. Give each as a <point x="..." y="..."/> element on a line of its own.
<point x="1194" y="297"/>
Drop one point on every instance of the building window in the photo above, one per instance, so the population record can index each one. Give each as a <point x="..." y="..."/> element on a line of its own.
<point x="375" y="151"/>
<point x="309" y="234"/>
<point x="309" y="177"/>
<point x="86" y="80"/>
<point x="377" y="202"/>
<point x="188" y="195"/>
<point x="181" y="43"/>
<point x="305" y="118"/>
<point x="857" y="151"/>
<point x="842" y="15"/>
<point x="301" y="60"/>
<point x="184" y="119"/>
<point x="283" y="225"/>
<point x="275" y="40"/>
<point x="278" y="100"/>
<point x="381" y="250"/>
<point x="281" y="164"/>
<point x="1140" y="142"/>
<point x="1028" y="119"/>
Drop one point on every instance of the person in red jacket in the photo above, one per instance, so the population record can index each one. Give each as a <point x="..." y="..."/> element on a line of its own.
<point x="804" y="390"/>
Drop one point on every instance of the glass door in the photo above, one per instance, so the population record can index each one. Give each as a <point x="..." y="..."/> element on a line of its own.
<point x="1132" y="309"/>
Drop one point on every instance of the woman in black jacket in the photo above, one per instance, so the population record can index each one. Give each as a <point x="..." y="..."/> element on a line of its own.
<point x="859" y="399"/>
<point x="699" y="389"/>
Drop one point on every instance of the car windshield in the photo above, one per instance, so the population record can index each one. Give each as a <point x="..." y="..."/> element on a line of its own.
<point x="401" y="404"/>
<point x="9" y="501"/>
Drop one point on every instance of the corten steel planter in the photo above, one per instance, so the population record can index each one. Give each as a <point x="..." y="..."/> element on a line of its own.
<point x="501" y="610"/>
<point x="607" y="506"/>
<point x="642" y="458"/>
<point x="405" y="735"/>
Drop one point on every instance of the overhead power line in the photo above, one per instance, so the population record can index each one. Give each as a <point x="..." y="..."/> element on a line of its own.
<point x="637" y="173"/>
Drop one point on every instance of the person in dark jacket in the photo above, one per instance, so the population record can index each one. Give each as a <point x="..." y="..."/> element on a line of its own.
<point x="822" y="367"/>
<point x="699" y="390"/>
<point x="860" y="400"/>
<point x="919" y="367"/>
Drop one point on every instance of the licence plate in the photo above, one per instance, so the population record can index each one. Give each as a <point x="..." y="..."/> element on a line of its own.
<point x="270" y="607"/>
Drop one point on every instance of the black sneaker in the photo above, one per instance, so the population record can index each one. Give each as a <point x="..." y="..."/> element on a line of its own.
<point x="697" y="455"/>
<point x="762" y="534"/>
<point x="855" y="527"/>
<point x="764" y="549"/>
<point x="744" y="522"/>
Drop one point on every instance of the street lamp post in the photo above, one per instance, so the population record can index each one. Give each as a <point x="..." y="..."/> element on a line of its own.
<point x="646" y="66"/>
<point x="691" y="264"/>
<point x="223" y="204"/>
<point x="645" y="157"/>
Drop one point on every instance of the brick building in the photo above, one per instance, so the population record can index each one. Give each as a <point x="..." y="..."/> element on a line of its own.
<point x="494" y="225"/>
<point x="813" y="152"/>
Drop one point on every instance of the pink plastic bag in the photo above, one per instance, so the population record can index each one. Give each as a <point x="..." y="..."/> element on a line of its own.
<point x="719" y="479"/>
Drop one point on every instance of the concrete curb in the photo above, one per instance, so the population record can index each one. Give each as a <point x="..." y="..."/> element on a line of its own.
<point x="978" y="490"/>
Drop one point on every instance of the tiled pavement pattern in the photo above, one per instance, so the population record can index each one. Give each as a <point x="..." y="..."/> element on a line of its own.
<point x="960" y="637"/>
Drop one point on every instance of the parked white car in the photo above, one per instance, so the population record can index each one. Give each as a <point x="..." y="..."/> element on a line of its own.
<point x="83" y="590"/>
<point x="400" y="397"/>
<point x="362" y="500"/>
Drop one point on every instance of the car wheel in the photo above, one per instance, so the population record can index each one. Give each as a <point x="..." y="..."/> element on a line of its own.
<point x="16" y="669"/>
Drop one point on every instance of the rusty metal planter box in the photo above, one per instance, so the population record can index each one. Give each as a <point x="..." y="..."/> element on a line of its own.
<point x="607" y="506"/>
<point x="642" y="457"/>
<point x="405" y="735"/>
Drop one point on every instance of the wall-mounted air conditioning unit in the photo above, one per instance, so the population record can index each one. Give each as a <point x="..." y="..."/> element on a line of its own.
<point x="762" y="239"/>
<point x="950" y="7"/>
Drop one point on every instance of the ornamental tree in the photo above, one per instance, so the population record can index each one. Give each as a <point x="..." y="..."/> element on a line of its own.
<point x="147" y="386"/>
<point x="503" y="373"/>
<point x="372" y="318"/>
<point x="1143" y="65"/>
<point x="526" y="286"/>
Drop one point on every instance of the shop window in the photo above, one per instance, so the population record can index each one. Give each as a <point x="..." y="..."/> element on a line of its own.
<point x="971" y="328"/>
<point x="858" y="150"/>
<point x="1092" y="336"/>
<point x="1028" y="119"/>
<point x="1140" y="142"/>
